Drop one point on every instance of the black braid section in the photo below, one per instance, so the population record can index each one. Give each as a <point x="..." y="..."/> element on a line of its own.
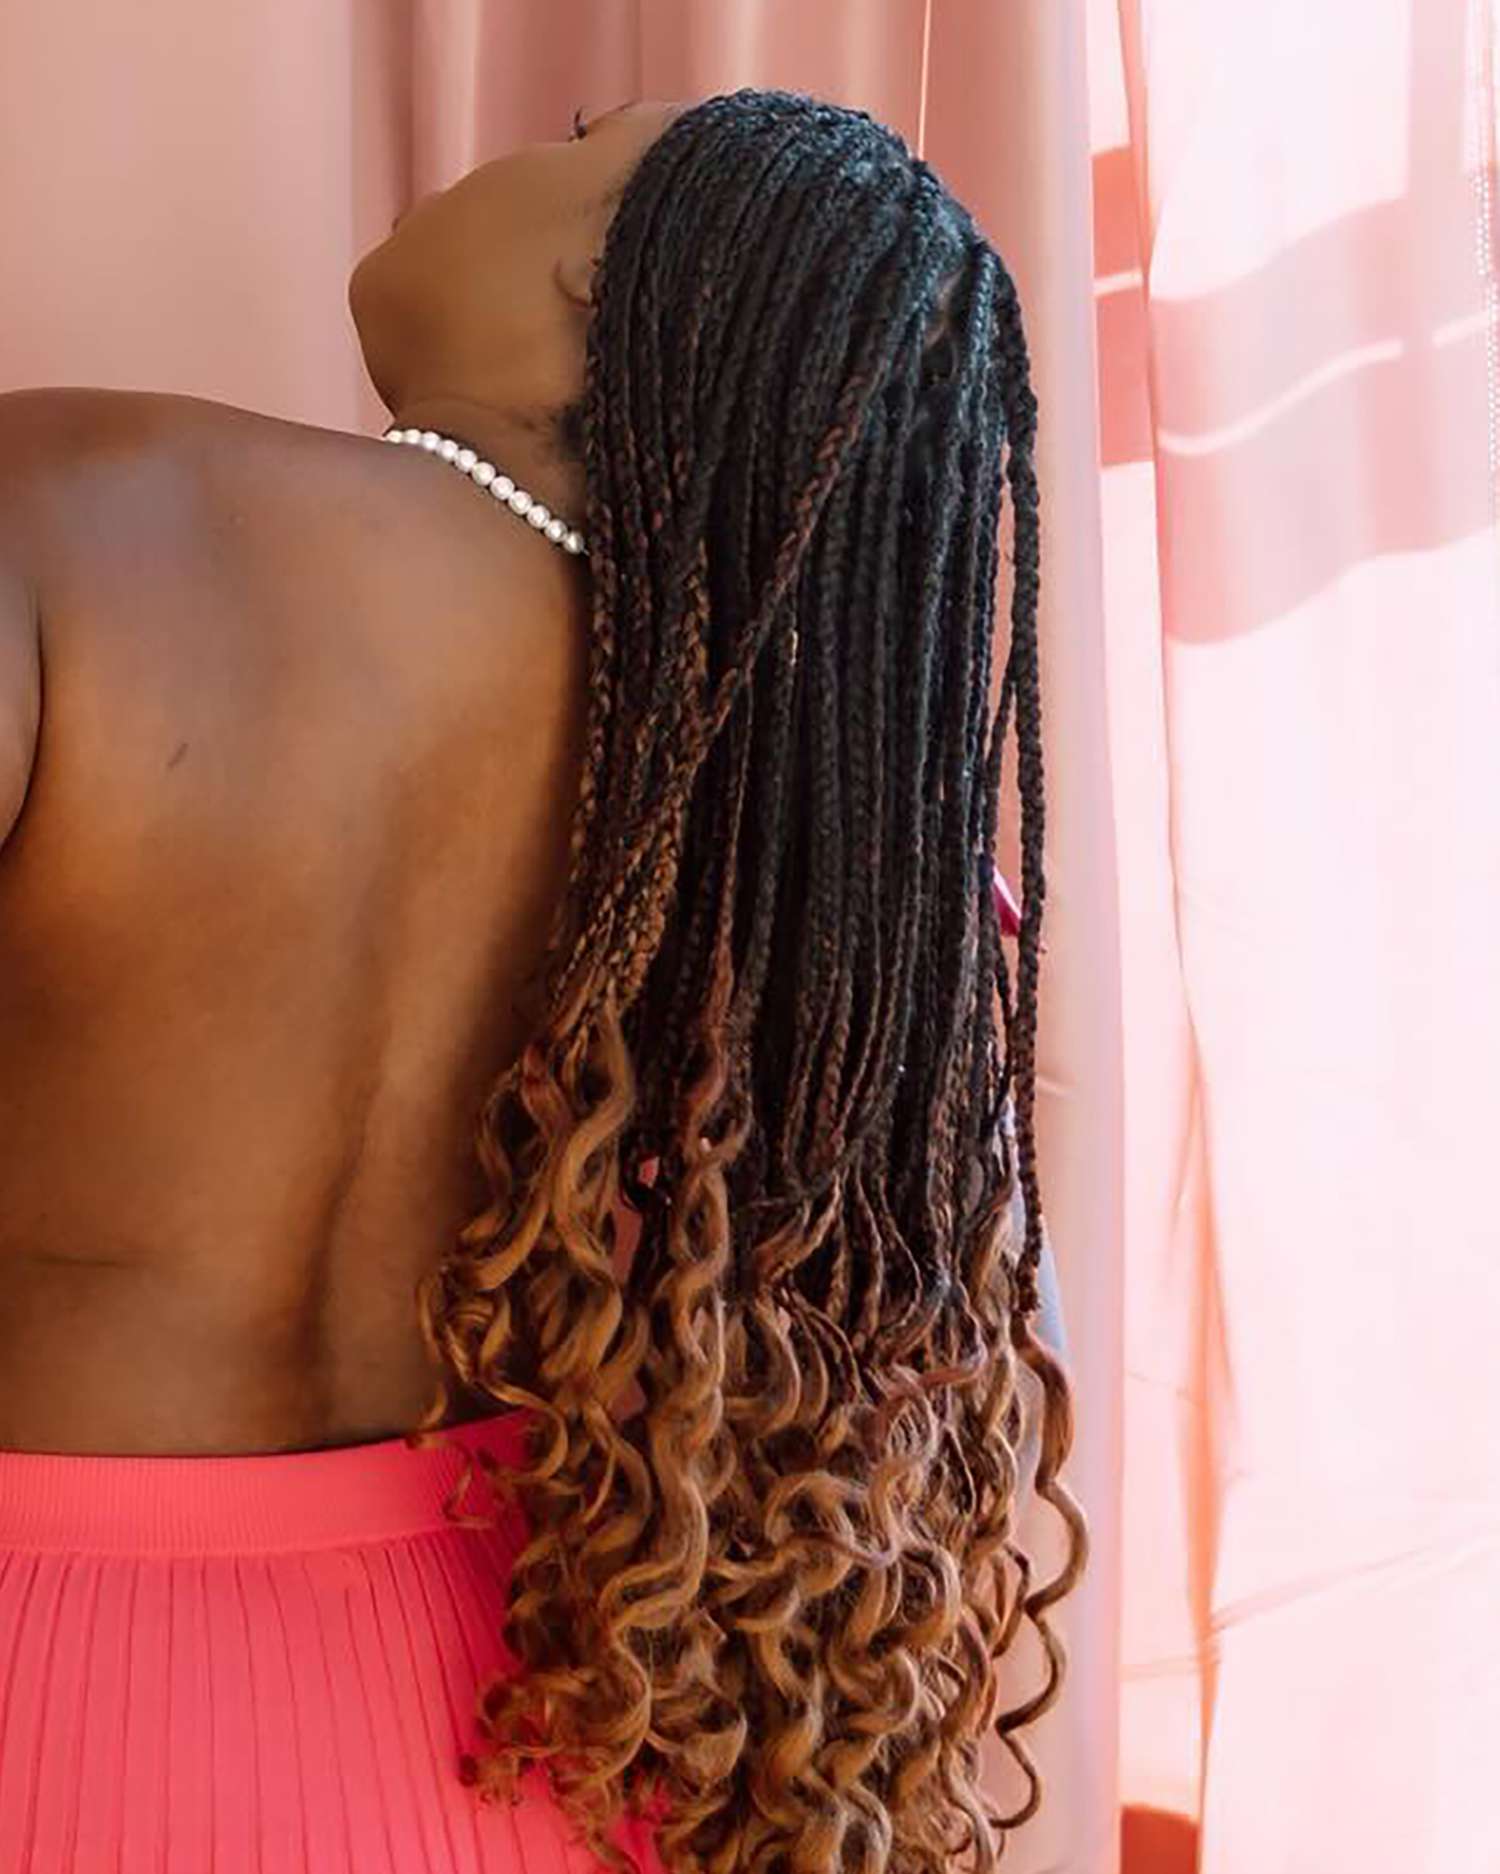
<point x="783" y="1589"/>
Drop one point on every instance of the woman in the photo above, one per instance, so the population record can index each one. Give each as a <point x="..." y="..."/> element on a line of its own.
<point x="346" y="806"/>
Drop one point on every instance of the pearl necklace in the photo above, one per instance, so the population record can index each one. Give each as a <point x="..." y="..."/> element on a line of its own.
<point x="488" y="477"/>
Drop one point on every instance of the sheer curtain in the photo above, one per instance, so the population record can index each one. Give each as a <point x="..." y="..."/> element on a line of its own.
<point x="1294" y="227"/>
<point x="1255" y="245"/>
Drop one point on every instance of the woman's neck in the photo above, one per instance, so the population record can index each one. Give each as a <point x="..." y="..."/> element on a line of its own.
<point x="512" y="444"/>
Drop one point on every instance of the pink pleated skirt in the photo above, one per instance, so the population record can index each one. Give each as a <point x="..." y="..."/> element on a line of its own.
<point x="259" y="1665"/>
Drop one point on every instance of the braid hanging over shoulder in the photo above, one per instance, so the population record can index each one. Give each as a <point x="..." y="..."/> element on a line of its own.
<point x="774" y="1584"/>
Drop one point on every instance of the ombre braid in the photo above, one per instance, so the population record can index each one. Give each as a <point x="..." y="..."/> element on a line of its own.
<point x="777" y="1596"/>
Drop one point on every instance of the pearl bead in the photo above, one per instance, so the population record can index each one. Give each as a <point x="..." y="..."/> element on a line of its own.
<point x="502" y="487"/>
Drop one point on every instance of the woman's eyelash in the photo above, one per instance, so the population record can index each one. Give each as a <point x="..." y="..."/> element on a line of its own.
<point x="578" y="124"/>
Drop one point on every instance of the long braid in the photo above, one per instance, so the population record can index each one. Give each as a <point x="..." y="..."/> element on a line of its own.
<point x="781" y="1592"/>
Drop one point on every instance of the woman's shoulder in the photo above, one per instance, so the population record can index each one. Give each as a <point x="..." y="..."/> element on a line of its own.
<point x="66" y="447"/>
<point x="44" y="422"/>
<point x="53" y="426"/>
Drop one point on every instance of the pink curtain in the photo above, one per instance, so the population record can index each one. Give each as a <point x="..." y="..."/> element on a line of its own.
<point x="1256" y="249"/>
<point x="1295" y="274"/>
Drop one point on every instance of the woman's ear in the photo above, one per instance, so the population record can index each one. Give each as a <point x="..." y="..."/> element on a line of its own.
<point x="574" y="274"/>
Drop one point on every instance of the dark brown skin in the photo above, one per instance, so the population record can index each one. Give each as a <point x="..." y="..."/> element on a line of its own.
<point x="271" y="915"/>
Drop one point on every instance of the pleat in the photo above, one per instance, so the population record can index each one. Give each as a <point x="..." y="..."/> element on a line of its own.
<point x="449" y="1654"/>
<point x="532" y="1836"/>
<point x="20" y="1582"/>
<point x="146" y="1767"/>
<point x="293" y="1720"/>
<point x="31" y="1704"/>
<point x="191" y="1722"/>
<point x="59" y="1756"/>
<point x="296" y="1712"/>
<point x="405" y="1751"/>
<point x="280" y="1785"/>
<point x="108" y="1718"/>
<point x="331" y="1812"/>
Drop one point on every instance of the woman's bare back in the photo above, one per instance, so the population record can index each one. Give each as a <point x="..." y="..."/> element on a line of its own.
<point x="311" y="721"/>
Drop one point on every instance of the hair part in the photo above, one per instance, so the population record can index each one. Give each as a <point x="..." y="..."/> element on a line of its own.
<point x="781" y="1598"/>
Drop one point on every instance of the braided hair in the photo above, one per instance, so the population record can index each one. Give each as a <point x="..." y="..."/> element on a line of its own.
<point x="770" y="1602"/>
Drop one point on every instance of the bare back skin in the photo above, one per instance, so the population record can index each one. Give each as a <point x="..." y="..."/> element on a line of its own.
<point x="271" y="917"/>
